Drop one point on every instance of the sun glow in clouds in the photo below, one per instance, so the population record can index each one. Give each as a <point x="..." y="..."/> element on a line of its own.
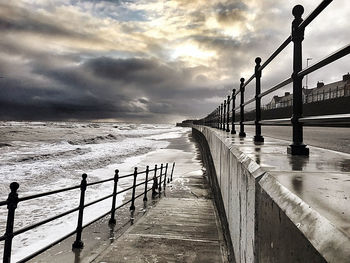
<point x="192" y="53"/>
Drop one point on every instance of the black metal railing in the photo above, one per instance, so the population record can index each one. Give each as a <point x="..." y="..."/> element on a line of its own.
<point x="217" y="117"/>
<point x="13" y="200"/>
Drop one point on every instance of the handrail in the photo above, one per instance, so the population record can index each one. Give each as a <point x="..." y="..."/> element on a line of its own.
<point x="315" y="13"/>
<point x="276" y="87"/>
<point x="29" y="257"/>
<point x="325" y="61"/>
<point x="249" y="80"/>
<point x="220" y="117"/>
<point x="333" y="118"/>
<point x="13" y="200"/>
<point x="249" y="101"/>
<point x="48" y="193"/>
<point x="277" y="51"/>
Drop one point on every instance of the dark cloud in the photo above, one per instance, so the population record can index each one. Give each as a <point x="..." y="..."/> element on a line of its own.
<point x="104" y="88"/>
<point x="18" y="19"/>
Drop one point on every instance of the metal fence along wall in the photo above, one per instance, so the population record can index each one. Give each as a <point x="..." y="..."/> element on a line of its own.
<point x="157" y="177"/>
<point x="223" y="117"/>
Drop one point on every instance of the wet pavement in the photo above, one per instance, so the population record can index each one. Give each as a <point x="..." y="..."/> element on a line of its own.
<point x="182" y="227"/>
<point x="333" y="138"/>
<point x="322" y="180"/>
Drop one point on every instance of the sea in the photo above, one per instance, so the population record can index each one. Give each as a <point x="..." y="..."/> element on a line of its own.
<point x="44" y="156"/>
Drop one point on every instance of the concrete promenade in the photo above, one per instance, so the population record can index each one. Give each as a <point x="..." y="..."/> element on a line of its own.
<point x="280" y="208"/>
<point x="182" y="227"/>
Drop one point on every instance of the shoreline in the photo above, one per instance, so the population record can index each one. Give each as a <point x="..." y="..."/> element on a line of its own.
<point x="98" y="236"/>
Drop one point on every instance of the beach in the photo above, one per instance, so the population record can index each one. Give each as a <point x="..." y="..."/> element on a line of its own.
<point x="42" y="163"/>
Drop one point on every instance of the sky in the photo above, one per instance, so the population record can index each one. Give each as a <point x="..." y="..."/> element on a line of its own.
<point x="151" y="61"/>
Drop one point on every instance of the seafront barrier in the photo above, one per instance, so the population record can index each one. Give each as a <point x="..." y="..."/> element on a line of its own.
<point x="266" y="199"/>
<point x="142" y="182"/>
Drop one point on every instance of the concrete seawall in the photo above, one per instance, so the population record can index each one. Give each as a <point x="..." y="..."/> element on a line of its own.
<point x="265" y="220"/>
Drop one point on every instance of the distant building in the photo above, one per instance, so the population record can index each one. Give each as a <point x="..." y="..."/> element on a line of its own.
<point x="319" y="93"/>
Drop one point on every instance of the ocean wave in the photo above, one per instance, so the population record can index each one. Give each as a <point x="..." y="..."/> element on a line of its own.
<point x="46" y="156"/>
<point x="95" y="140"/>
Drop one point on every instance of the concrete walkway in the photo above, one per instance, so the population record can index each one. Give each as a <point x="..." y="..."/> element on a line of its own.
<point x="182" y="227"/>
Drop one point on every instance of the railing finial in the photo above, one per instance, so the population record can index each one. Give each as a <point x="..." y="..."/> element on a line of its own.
<point x="241" y="125"/>
<point x="258" y="61"/>
<point x="298" y="11"/>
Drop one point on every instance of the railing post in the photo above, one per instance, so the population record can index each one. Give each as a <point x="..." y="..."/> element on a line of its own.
<point x="132" y="207"/>
<point x="258" y="138"/>
<point x="218" y="118"/>
<point x="146" y="183"/>
<point x="297" y="147"/>
<point x="78" y="243"/>
<point x="233" y="130"/>
<point x="160" y="179"/>
<point x="228" y="114"/>
<point x="172" y="170"/>
<point x="155" y="182"/>
<point x="221" y="107"/>
<point x="116" y="178"/>
<point x="12" y="202"/>
<point x="241" y="130"/>
<point x="166" y="170"/>
<point x="224" y="117"/>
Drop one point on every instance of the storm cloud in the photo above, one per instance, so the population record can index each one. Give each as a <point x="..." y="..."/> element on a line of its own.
<point x="147" y="61"/>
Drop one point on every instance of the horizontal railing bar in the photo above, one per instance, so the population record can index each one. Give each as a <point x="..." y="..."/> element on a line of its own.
<point x="112" y="178"/>
<point x="127" y="175"/>
<point x="68" y="235"/>
<point x="249" y="122"/>
<point x="124" y="190"/>
<point x="27" y="228"/>
<point x="325" y="61"/>
<point x="73" y="232"/>
<point x="129" y="188"/>
<point x="48" y="193"/>
<point x="98" y="200"/>
<point x="249" y="80"/>
<point x="325" y="118"/>
<point x="237" y="92"/>
<point x="249" y="101"/>
<point x="26" y="198"/>
<point x="276" y="87"/>
<point x="100" y="182"/>
<point x="284" y="120"/>
<point x="315" y="13"/>
<point x="15" y="233"/>
<point x="68" y="212"/>
<point x="46" y="247"/>
<point x="277" y="51"/>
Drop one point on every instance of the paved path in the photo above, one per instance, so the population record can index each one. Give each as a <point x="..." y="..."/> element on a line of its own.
<point x="182" y="227"/>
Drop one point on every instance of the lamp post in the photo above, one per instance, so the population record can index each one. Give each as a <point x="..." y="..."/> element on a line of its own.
<point x="306" y="78"/>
